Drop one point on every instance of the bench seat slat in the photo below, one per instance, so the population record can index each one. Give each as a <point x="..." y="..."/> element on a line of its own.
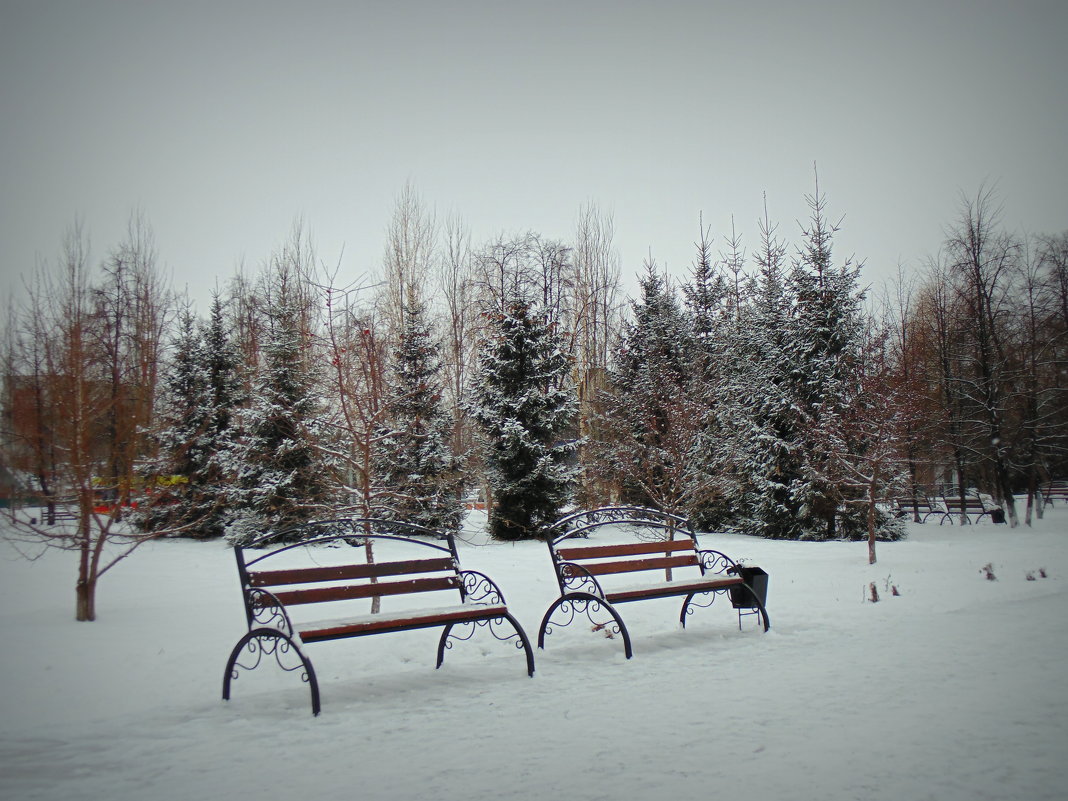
<point x="637" y="565"/>
<point x="308" y="575"/>
<point x="398" y="621"/>
<point x="349" y="591"/>
<point x="670" y="588"/>
<point x="628" y="549"/>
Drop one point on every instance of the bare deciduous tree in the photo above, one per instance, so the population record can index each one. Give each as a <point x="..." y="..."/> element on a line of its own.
<point x="87" y="426"/>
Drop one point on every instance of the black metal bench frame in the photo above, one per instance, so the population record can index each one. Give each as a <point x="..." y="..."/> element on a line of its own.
<point x="672" y="546"/>
<point x="919" y="508"/>
<point x="1054" y="490"/>
<point x="269" y="596"/>
<point x="973" y="507"/>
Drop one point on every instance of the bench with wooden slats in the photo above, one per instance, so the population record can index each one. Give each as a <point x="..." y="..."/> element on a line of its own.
<point x="666" y="556"/>
<point x="971" y="508"/>
<point x="919" y="508"/>
<point x="1055" y="491"/>
<point x="277" y="599"/>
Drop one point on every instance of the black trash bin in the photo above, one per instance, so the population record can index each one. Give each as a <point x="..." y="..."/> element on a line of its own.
<point x="757" y="580"/>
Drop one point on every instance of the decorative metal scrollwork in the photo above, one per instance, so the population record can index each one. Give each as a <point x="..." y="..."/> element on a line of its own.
<point x="706" y="600"/>
<point x="602" y="617"/>
<point x="256" y="645"/>
<point x="267" y="611"/>
<point x="715" y="562"/>
<point x="576" y="578"/>
<point x="280" y="647"/>
<point x="478" y="588"/>
<point x="570" y="608"/>
<point x="465" y="630"/>
<point x="607" y="515"/>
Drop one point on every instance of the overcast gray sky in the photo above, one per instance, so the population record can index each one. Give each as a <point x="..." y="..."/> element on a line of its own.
<point x="225" y="121"/>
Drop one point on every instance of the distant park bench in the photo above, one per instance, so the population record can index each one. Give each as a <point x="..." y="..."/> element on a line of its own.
<point x="657" y="543"/>
<point x="971" y="508"/>
<point x="59" y="510"/>
<point x="1055" y="491"/>
<point x="429" y="566"/>
<point x="919" y="508"/>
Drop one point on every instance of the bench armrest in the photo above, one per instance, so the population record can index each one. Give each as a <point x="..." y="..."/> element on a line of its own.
<point x="478" y="588"/>
<point x="575" y="578"/>
<point x="715" y="562"/>
<point x="265" y="610"/>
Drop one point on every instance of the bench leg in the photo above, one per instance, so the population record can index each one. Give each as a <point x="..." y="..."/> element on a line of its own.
<point x="759" y="608"/>
<point x="520" y="637"/>
<point x="689" y="602"/>
<point x="587" y="604"/>
<point x="261" y="642"/>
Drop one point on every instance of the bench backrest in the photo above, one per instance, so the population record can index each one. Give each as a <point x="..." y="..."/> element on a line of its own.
<point x="973" y="501"/>
<point x="284" y="575"/>
<point x="921" y="503"/>
<point x="1055" y="489"/>
<point x="665" y="543"/>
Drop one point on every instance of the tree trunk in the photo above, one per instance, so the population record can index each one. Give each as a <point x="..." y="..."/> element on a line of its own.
<point x="872" y="488"/>
<point x="85" y="601"/>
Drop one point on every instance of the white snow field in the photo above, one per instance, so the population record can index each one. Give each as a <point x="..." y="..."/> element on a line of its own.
<point x="955" y="689"/>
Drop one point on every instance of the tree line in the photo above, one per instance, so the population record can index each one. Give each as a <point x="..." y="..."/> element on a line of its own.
<point x="765" y="393"/>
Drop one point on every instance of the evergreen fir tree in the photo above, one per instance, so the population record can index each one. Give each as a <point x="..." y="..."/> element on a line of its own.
<point x="825" y="346"/>
<point x="201" y="390"/>
<point x="711" y="310"/>
<point x="759" y="448"/>
<point x="705" y="294"/>
<point x="224" y="394"/>
<point x="654" y="416"/>
<point x="280" y="478"/>
<point x="414" y="464"/>
<point x="182" y="455"/>
<point x="802" y="339"/>
<point x="525" y="406"/>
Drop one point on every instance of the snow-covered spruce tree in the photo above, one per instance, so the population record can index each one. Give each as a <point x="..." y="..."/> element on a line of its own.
<point x="203" y="389"/>
<point x="705" y="294"/>
<point x="712" y="312"/>
<point x="824" y="352"/>
<point x="760" y="449"/>
<point x="653" y="418"/>
<point x="525" y="406"/>
<point x="184" y="415"/>
<point x="280" y="479"/>
<point x="418" y="474"/>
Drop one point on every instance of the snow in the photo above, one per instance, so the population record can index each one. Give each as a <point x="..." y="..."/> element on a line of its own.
<point x="953" y="690"/>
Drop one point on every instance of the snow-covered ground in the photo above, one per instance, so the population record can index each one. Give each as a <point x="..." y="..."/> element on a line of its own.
<point x="955" y="689"/>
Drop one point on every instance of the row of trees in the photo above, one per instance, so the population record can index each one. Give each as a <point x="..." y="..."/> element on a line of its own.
<point x="764" y="394"/>
<point x="980" y="351"/>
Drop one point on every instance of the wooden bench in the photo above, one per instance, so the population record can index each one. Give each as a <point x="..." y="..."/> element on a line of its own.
<point x="662" y="547"/>
<point x="1055" y="491"/>
<point x="973" y="506"/>
<point x="275" y="598"/>
<point x="920" y="508"/>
